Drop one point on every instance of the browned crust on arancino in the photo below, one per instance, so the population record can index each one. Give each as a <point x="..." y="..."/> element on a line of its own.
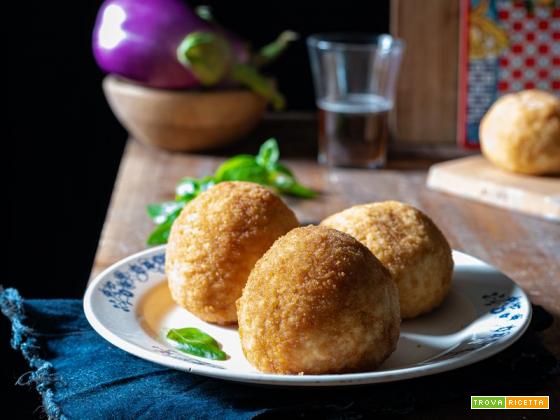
<point x="216" y="241"/>
<point x="409" y="244"/>
<point x="521" y="133"/>
<point x="318" y="302"/>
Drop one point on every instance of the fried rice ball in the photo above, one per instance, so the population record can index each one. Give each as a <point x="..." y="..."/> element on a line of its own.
<point x="216" y="241"/>
<point x="521" y="133"/>
<point x="409" y="244"/>
<point x="318" y="302"/>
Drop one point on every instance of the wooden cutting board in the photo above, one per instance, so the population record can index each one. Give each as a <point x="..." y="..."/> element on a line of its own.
<point x="475" y="178"/>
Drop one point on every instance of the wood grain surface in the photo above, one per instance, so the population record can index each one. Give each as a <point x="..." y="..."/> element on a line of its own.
<point x="476" y="178"/>
<point x="426" y="105"/>
<point x="525" y="248"/>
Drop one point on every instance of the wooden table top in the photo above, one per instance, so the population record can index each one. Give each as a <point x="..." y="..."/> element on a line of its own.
<point x="527" y="249"/>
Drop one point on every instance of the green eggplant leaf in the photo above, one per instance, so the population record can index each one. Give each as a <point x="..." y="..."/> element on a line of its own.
<point x="273" y="50"/>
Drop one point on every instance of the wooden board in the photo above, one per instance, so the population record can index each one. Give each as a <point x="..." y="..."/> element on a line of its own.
<point x="475" y="178"/>
<point x="426" y="102"/>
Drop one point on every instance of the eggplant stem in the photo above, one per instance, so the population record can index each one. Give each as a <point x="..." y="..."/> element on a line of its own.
<point x="249" y="76"/>
<point x="207" y="55"/>
<point x="273" y="50"/>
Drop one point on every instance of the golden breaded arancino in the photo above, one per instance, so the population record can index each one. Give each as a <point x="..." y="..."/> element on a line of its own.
<point x="409" y="244"/>
<point x="318" y="302"/>
<point x="216" y="241"/>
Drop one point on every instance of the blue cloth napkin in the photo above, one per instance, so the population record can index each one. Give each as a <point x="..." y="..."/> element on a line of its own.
<point x="80" y="375"/>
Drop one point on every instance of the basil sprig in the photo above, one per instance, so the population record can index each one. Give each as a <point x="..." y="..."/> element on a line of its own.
<point x="195" y="342"/>
<point x="264" y="168"/>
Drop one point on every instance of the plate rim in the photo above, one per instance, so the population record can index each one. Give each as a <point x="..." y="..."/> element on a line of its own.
<point x="344" y="379"/>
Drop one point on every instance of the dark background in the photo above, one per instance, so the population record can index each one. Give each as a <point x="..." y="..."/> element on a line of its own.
<point x="66" y="145"/>
<point x="63" y="145"/>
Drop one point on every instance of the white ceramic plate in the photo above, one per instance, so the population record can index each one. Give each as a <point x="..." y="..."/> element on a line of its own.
<point x="130" y="306"/>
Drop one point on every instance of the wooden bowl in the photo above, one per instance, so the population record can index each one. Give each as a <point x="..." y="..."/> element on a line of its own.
<point x="183" y="120"/>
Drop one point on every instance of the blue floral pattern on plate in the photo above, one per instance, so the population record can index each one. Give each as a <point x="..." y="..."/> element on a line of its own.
<point x="504" y="309"/>
<point x="119" y="289"/>
<point x="500" y="315"/>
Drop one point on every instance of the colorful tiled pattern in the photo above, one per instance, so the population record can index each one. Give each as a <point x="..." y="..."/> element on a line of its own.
<point x="530" y="60"/>
<point x="533" y="59"/>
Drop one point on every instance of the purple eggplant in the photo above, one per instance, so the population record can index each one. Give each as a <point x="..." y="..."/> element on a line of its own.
<point x="164" y="44"/>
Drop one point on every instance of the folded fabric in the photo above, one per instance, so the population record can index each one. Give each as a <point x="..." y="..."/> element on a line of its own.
<point x="80" y="375"/>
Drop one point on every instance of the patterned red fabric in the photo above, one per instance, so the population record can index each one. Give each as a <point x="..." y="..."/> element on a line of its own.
<point x="533" y="59"/>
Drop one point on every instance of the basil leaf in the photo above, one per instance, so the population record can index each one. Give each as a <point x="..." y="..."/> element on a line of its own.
<point x="206" y="183"/>
<point x="195" y="342"/>
<point x="281" y="180"/>
<point x="186" y="188"/>
<point x="255" y="173"/>
<point x="282" y="169"/>
<point x="264" y="169"/>
<point x="269" y="154"/>
<point x="242" y="168"/>
<point x="193" y="334"/>
<point x="223" y="173"/>
<point x="189" y="188"/>
<point x="287" y="184"/>
<point x="298" y="190"/>
<point x="160" y="234"/>
<point x="160" y="212"/>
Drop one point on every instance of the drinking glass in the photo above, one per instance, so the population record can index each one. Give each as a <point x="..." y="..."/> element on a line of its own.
<point x="355" y="78"/>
